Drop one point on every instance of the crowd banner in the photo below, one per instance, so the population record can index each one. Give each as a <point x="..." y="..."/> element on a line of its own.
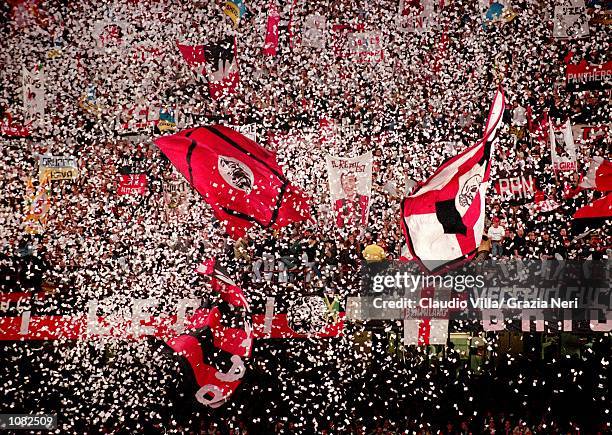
<point x="110" y="33"/>
<point x="571" y="20"/>
<point x="313" y="33"/>
<point x="588" y="77"/>
<point x="271" y="41"/>
<point x="350" y="186"/>
<point x="166" y="122"/>
<point x="585" y="133"/>
<point x="135" y="119"/>
<point x="54" y="168"/>
<point x="366" y="47"/>
<point x="235" y="10"/>
<point x="222" y="67"/>
<point x="33" y="94"/>
<point x="132" y="184"/>
<point x="357" y="44"/>
<point x="37" y="205"/>
<point x="516" y="188"/>
<point x="417" y="18"/>
<point x="409" y="18"/>
<point x="562" y="148"/>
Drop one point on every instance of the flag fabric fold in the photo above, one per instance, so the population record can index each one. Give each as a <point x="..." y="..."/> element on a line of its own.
<point x="238" y="178"/>
<point x="598" y="209"/>
<point x="599" y="175"/>
<point x="443" y="219"/>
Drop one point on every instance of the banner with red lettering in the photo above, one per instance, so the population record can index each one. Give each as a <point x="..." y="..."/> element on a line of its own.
<point x="562" y="147"/>
<point x="357" y="44"/>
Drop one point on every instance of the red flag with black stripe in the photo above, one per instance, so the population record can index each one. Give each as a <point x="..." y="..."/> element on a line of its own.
<point x="215" y="352"/>
<point x="238" y="178"/>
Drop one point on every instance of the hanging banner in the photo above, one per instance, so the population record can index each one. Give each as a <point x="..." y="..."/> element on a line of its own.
<point x="416" y="17"/>
<point x="586" y="77"/>
<point x="54" y="168"/>
<point x="37" y="205"/>
<point x="109" y="33"/>
<point x="313" y="33"/>
<point x="136" y="119"/>
<point x="357" y="44"/>
<point x="235" y="10"/>
<point x="562" y="148"/>
<point x="271" y="41"/>
<point x="409" y="19"/>
<point x="132" y="184"/>
<point x="350" y="186"/>
<point x="222" y="67"/>
<point x="584" y="133"/>
<point x="166" y="122"/>
<point x="571" y="20"/>
<point x="33" y="94"/>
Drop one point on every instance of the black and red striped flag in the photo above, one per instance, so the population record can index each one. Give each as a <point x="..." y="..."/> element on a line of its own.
<point x="238" y="178"/>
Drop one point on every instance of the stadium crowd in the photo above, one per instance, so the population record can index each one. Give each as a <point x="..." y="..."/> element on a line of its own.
<point x="424" y="100"/>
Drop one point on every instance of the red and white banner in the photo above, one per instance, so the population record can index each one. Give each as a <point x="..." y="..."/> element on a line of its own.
<point x="356" y="43"/>
<point x="423" y="328"/>
<point x="222" y="67"/>
<point x="520" y="187"/>
<point x="598" y="209"/>
<point x="571" y="20"/>
<point x="443" y="219"/>
<point x="314" y="31"/>
<point x="132" y="184"/>
<point x="271" y="41"/>
<point x="33" y="94"/>
<point x="585" y="134"/>
<point x="562" y="147"/>
<point x="350" y="188"/>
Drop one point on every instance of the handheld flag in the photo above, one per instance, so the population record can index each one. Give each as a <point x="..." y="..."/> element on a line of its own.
<point x="443" y="219"/>
<point x="238" y="178"/>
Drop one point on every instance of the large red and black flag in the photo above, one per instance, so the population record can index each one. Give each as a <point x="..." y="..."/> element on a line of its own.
<point x="214" y="353"/>
<point x="443" y="219"/>
<point x="238" y="178"/>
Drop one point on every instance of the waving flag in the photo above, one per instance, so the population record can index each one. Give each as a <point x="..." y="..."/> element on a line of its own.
<point x="235" y="10"/>
<point x="271" y="42"/>
<point x="222" y="67"/>
<point x="443" y="220"/>
<point x="593" y="215"/>
<point x="238" y="178"/>
<point x="599" y="175"/>
<point x="193" y="54"/>
<point x="215" y="352"/>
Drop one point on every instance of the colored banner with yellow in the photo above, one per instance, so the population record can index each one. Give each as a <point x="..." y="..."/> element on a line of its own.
<point x="54" y="168"/>
<point x="36" y="207"/>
